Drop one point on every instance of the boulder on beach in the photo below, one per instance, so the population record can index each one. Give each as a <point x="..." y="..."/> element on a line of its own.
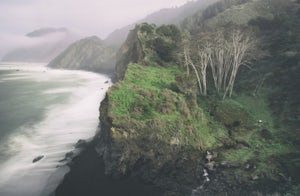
<point x="38" y="158"/>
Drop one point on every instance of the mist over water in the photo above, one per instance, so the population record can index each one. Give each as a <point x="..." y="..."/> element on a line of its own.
<point x="43" y="112"/>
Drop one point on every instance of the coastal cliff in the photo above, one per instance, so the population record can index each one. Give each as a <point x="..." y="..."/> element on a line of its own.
<point x="152" y="130"/>
<point x="130" y="51"/>
<point x="158" y="131"/>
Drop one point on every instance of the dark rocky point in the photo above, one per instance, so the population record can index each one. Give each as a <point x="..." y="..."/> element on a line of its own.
<point x="38" y="158"/>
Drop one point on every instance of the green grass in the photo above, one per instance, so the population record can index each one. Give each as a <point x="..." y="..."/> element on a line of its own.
<point x="144" y="101"/>
<point x="145" y="104"/>
<point x="150" y="78"/>
<point x="139" y="90"/>
<point x="262" y="151"/>
<point x="258" y="108"/>
<point x="122" y="99"/>
<point x="295" y="190"/>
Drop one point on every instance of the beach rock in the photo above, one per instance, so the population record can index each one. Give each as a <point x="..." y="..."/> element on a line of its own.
<point x="69" y="155"/>
<point x="38" y="158"/>
<point x="81" y="144"/>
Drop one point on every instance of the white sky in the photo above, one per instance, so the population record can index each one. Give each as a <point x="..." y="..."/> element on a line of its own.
<point x="86" y="17"/>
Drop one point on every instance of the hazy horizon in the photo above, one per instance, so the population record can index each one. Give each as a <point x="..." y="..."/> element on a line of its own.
<point x="86" y="17"/>
<point x="83" y="17"/>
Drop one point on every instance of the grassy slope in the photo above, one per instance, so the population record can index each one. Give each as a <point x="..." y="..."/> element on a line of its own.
<point x="145" y="105"/>
<point x="148" y="104"/>
<point x="273" y="144"/>
<point x="264" y="146"/>
<point x="145" y="102"/>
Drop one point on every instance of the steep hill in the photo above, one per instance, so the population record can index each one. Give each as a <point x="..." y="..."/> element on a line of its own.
<point x="88" y="54"/>
<point x="42" y="45"/>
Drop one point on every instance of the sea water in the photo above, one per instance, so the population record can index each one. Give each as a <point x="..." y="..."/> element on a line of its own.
<point x="43" y="112"/>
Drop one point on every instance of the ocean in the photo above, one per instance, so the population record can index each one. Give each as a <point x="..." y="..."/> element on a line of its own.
<point x="43" y="112"/>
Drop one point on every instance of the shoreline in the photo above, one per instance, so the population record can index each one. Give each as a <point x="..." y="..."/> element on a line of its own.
<point x="38" y="149"/>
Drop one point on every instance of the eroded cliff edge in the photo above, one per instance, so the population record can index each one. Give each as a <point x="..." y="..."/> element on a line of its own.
<point x="156" y="129"/>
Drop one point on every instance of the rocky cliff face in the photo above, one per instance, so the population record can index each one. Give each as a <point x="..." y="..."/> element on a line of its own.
<point x="87" y="54"/>
<point x="174" y="169"/>
<point x="130" y="51"/>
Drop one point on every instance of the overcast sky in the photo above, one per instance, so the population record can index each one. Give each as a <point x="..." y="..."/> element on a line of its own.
<point x="86" y="17"/>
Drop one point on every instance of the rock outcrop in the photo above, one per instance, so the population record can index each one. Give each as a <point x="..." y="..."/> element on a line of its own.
<point x="130" y="52"/>
<point x="175" y="170"/>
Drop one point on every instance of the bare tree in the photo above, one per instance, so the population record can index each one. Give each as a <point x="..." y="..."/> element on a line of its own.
<point x="220" y="65"/>
<point x="224" y="52"/>
<point x="241" y="47"/>
<point x="204" y="55"/>
<point x="189" y="62"/>
<point x="199" y="63"/>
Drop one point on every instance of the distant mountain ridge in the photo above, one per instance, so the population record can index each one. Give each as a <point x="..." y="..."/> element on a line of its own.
<point x="88" y="54"/>
<point x="96" y="55"/>
<point x="163" y="16"/>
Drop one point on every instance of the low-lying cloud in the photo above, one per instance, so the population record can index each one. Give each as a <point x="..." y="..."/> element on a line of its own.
<point x="10" y="42"/>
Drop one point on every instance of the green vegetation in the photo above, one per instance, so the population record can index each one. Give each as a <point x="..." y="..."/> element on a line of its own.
<point x="145" y="102"/>
<point x="258" y="108"/>
<point x="254" y="135"/>
<point x="145" y="105"/>
<point x="295" y="190"/>
<point x="257" y="140"/>
<point x="159" y="43"/>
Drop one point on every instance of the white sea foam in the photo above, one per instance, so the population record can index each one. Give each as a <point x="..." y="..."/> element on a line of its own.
<point x="60" y="90"/>
<point x="54" y="136"/>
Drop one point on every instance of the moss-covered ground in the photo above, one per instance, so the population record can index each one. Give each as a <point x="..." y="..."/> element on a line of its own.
<point x="146" y="103"/>
<point x="241" y="130"/>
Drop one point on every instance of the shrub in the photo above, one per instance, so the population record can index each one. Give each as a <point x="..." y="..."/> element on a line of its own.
<point x="146" y="28"/>
<point x="164" y="48"/>
<point x="170" y="31"/>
